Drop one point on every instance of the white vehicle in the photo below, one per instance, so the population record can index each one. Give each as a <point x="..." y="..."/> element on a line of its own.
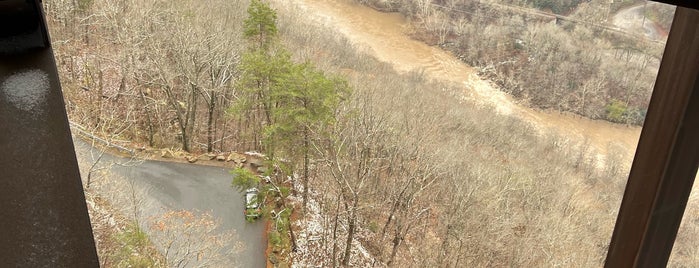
<point x="252" y="204"/>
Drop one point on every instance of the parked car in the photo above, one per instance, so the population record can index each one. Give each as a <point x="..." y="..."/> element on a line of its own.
<point x="252" y="204"/>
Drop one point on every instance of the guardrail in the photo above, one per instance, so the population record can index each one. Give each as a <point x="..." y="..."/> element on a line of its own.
<point x="45" y="221"/>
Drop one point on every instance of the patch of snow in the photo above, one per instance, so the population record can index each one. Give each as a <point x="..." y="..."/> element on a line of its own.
<point x="253" y="153"/>
<point x="26" y="90"/>
<point x="362" y="250"/>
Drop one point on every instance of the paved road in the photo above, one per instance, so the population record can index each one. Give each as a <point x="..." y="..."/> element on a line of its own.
<point x="633" y="20"/>
<point x="192" y="187"/>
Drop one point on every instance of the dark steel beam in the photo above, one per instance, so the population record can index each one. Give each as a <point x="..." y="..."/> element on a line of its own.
<point x="43" y="218"/>
<point x="665" y="164"/>
<point x="683" y="3"/>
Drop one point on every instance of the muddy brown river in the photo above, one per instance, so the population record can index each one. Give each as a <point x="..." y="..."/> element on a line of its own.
<point x="384" y="35"/>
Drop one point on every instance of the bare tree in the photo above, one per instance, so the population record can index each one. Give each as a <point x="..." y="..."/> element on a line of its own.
<point x="354" y="156"/>
<point x="192" y="239"/>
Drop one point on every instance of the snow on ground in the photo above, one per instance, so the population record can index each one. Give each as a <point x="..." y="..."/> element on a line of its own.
<point x="253" y="153"/>
<point x="314" y="236"/>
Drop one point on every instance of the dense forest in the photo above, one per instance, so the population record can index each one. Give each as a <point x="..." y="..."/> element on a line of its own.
<point x="372" y="166"/>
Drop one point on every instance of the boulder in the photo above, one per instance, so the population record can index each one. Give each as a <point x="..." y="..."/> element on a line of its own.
<point x="235" y="157"/>
<point x="221" y="157"/>
<point x="211" y="156"/>
<point x="203" y="157"/>
<point x="256" y="162"/>
<point x="191" y="158"/>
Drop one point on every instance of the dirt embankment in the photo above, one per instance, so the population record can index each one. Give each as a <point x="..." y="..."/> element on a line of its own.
<point x="386" y="36"/>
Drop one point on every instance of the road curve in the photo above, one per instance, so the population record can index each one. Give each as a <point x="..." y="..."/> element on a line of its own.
<point x="632" y="19"/>
<point x="177" y="186"/>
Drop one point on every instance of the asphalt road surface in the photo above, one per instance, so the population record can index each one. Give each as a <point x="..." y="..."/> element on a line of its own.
<point x="177" y="186"/>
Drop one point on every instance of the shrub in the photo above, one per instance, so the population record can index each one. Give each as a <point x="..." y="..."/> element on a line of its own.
<point x="373" y="226"/>
<point x="616" y="111"/>
<point x="275" y="238"/>
<point x="636" y="116"/>
<point x="244" y="179"/>
<point x="133" y="243"/>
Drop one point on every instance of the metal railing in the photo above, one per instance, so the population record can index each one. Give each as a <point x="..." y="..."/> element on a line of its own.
<point x="44" y="220"/>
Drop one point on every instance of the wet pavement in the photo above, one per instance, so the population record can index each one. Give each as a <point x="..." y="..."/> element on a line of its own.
<point x="177" y="186"/>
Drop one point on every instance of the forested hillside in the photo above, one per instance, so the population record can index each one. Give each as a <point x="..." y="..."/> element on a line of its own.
<point x="372" y="166"/>
<point x="580" y="64"/>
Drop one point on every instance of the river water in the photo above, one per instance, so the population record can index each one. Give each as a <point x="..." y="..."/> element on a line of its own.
<point x="385" y="36"/>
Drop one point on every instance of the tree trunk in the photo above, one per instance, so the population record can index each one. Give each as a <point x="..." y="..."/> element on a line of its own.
<point x="293" y="236"/>
<point x="210" y="124"/>
<point x="458" y="256"/>
<point x="388" y="220"/>
<point x="396" y="203"/>
<point x="100" y="92"/>
<point x="352" y="222"/>
<point x="397" y="240"/>
<point x="445" y="252"/>
<point x="148" y="119"/>
<point x="180" y="116"/>
<point x="185" y="138"/>
<point x="337" y="215"/>
<point x="86" y="38"/>
<point x="306" y="145"/>
<point x="188" y="129"/>
<point x="223" y="133"/>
